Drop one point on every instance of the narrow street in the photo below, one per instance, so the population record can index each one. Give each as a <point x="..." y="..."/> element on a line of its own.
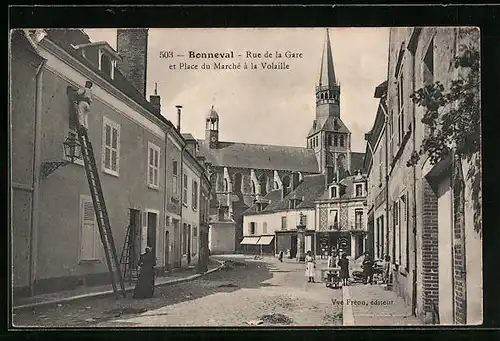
<point x="251" y="292"/>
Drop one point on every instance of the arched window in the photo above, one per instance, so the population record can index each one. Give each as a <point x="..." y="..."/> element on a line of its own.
<point x="263" y="184"/>
<point x="286" y="181"/>
<point x="335" y="141"/>
<point x="329" y="140"/>
<point x="342" y="140"/>
<point x="226" y="185"/>
<point x="253" y="187"/>
<point x="237" y="183"/>
<point x="276" y="185"/>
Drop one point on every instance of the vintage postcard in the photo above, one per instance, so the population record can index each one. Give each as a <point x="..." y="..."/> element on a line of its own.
<point x="245" y="177"/>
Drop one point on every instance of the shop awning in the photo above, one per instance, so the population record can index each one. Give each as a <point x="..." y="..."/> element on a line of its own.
<point x="249" y="241"/>
<point x="266" y="240"/>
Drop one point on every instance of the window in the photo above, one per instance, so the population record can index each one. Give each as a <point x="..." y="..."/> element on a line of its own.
<point x="174" y="178"/>
<point x="253" y="228"/>
<point x="405" y="257"/>
<point x="283" y="223"/>
<point x="401" y="105"/>
<point x="358" y="219"/>
<point x="333" y="192"/>
<point x="329" y="140"/>
<point x="341" y="140"/>
<point x="397" y="233"/>
<point x="194" y="250"/>
<point x="359" y="190"/>
<point x="226" y="186"/>
<point x="153" y="165"/>
<point x="333" y="219"/>
<point x="316" y="141"/>
<point x="335" y="140"/>
<point x="185" y="189"/>
<point x="264" y="228"/>
<point x="89" y="231"/>
<point x="111" y="147"/>
<point x="380" y="168"/>
<point x="428" y="73"/>
<point x="194" y="203"/>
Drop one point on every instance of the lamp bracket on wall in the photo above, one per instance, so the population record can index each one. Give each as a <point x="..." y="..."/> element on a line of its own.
<point x="51" y="166"/>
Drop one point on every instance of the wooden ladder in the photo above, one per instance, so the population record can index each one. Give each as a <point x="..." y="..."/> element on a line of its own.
<point x="101" y="212"/>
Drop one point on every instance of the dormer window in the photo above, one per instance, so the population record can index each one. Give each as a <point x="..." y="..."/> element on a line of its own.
<point x="359" y="190"/>
<point x="334" y="192"/>
<point x="102" y="54"/>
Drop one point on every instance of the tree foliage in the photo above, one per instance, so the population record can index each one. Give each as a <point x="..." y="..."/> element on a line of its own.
<point x="452" y="117"/>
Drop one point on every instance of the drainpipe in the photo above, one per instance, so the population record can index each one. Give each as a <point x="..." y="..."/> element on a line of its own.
<point x="165" y="197"/>
<point x="386" y="141"/>
<point x="36" y="180"/>
<point x="414" y="216"/>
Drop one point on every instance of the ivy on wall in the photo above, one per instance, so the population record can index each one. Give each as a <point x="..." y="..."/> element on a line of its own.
<point x="452" y="115"/>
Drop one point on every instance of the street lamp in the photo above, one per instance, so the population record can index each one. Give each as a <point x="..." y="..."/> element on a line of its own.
<point x="72" y="148"/>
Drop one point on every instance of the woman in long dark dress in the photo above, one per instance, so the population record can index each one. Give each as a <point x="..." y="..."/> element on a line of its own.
<point x="145" y="285"/>
<point x="344" y="269"/>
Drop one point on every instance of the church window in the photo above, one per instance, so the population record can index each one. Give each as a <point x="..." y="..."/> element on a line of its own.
<point x="329" y="140"/>
<point x="226" y="185"/>
<point x="335" y="141"/>
<point x="341" y="140"/>
<point x="316" y="141"/>
<point x="253" y="188"/>
<point x="237" y="183"/>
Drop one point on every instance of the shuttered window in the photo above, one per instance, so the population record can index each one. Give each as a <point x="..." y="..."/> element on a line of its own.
<point x="111" y="147"/>
<point x="153" y="165"/>
<point x="89" y="236"/>
<point x="185" y="190"/>
<point x="194" y="203"/>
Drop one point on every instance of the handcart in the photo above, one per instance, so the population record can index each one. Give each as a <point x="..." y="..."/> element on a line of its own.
<point x="331" y="276"/>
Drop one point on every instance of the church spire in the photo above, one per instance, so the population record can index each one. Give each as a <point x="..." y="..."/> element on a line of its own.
<point x="327" y="71"/>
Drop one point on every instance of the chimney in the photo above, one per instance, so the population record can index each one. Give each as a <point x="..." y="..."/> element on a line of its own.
<point x="179" y="107"/>
<point x="132" y="45"/>
<point x="295" y="180"/>
<point x="155" y="100"/>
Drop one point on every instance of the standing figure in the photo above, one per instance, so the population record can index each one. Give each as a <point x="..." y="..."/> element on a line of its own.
<point x="367" y="269"/>
<point x="387" y="268"/>
<point x="344" y="269"/>
<point x="310" y="267"/>
<point x="145" y="285"/>
<point x="280" y="256"/>
<point x="83" y="101"/>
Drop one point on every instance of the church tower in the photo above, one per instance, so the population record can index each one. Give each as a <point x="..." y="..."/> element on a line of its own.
<point x="329" y="137"/>
<point x="212" y="128"/>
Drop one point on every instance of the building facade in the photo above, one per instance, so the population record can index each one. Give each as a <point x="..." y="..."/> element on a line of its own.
<point x="432" y="240"/>
<point x="55" y="239"/>
<point x="376" y="166"/>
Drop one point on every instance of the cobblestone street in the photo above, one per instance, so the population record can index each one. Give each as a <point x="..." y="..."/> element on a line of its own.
<point x="252" y="292"/>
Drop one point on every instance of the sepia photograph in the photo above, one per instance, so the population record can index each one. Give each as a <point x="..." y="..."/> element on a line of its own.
<point x="245" y="177"/>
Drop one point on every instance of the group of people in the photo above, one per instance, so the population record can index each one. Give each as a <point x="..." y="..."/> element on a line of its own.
<point x="368" y="265"/>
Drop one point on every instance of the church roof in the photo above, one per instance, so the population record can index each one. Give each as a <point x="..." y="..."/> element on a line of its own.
<point x="331" y="124"/>
<point x="261" y="156"/>
<point x="357" y="160"/>
<point x="327" y="72"/>
<point x="310" y="189"/>
<point x="212" y="115"/>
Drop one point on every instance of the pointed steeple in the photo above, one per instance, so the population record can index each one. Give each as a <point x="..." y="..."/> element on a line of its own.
<point x="327" y="71"/>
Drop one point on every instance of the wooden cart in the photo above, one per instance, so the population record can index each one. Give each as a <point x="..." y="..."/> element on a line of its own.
<point x="331" y="276"/>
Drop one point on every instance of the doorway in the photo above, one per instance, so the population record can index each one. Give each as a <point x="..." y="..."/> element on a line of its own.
<point x="134" y="250"/>
<point x="166" y="250"/>
<point x="176" y="250"/>
<point x="151" y="237"/>
<point x="293" y="246"/>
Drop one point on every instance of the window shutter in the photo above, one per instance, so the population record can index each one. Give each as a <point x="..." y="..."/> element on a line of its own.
<point x="88" y="231"/>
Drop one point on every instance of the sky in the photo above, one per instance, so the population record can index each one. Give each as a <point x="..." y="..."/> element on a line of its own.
<point x="260" y="105"/>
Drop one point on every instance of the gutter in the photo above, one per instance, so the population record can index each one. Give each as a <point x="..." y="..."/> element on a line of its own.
<point x="33" y="242"/>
